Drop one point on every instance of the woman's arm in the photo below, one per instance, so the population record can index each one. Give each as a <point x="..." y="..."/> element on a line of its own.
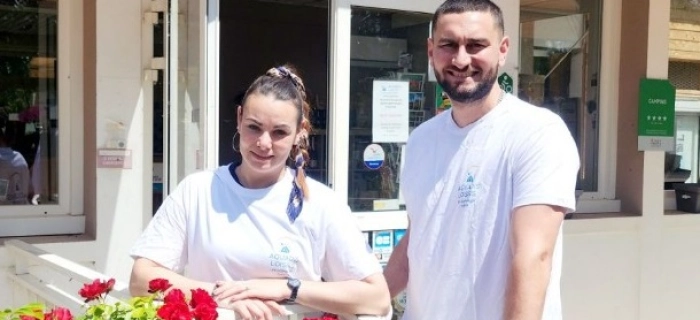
<point x="367" y="296"/>
<point x="145" y="270"/>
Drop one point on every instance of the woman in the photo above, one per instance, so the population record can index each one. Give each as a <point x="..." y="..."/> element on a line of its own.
<point x="260" y="233"/>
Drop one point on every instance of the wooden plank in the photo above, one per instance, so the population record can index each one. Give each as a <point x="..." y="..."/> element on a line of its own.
<point x="682" y="45"/>
<point x="684" y="35"/>
<point x="679" y="55"/>
<point x="684" y="26"/>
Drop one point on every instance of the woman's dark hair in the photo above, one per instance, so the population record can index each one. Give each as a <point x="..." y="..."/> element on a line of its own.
<point x="283" y="83"/>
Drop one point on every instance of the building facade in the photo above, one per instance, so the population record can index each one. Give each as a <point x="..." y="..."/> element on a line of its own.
<point x="112" y="103"/>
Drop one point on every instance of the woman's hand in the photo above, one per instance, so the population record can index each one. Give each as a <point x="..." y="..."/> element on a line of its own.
<point x="224" y="290"/>
<point x="255" y="309"/>
<point x="263" y="289"/>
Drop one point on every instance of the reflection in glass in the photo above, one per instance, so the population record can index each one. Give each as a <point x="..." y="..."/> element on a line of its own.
<point x="28" y="102"/>
<point x="559" y="67"/>
<point x="386" y="46"/>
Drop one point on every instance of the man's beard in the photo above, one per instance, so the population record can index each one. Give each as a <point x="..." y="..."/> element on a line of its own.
<point x="481" y="90"/>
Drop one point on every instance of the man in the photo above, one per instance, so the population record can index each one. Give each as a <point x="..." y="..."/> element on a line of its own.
<point x="487" y="184"/>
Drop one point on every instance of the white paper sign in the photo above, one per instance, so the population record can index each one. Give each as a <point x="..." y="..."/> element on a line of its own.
<point x="389" y="111"/>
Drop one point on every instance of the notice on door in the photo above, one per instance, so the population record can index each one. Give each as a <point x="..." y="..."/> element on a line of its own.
<point x="114" y="158"/>
<point x="389" y="111"/>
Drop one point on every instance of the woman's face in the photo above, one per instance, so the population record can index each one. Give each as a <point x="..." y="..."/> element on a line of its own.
<point x="268" y="130"/>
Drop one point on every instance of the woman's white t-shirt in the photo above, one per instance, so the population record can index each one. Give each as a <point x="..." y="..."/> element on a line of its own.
<point x="211" y="228"/>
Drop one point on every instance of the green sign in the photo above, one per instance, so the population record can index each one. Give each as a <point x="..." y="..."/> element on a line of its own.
<point x="505" y="82"/>
<point x="657" y="102"/>
<point x="442" y="102"/>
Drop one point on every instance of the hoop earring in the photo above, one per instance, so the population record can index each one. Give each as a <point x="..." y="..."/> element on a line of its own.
<point x="233" y="143"/>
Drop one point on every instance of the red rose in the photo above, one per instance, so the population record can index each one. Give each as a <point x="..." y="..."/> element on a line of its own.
<point x="175" y="296"/>
<point x="174" y="311"/>
<point x="202" y="297"/>
<point x="97" y="288"/>
<point x="27" y="317"/>
<point x="205" y="312"/>
<point x="59" y="313"/>
<point x="158" y="285"/>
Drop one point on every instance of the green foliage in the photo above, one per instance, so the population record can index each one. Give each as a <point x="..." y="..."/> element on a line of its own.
<point x="137" y="308"/>
<point x="35" y="310"/>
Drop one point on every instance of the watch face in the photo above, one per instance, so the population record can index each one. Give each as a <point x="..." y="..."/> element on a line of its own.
<point x="293" y="282"/>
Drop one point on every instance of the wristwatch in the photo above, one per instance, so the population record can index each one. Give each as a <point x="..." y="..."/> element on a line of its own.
<point x="293" y="284"/>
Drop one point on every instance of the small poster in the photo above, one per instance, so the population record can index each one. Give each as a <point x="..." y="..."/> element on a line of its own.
<point x="415" y="81"/>
<point x="390" y="107"/>
<point x="656" y="122"/>
<point x="382" y="244"/>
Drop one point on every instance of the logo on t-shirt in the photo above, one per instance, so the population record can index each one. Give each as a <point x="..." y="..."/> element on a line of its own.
<point x="467" y="191"/>
<point x="283" y="259"/>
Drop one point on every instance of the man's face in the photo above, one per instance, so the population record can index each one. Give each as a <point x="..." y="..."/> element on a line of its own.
<point x="466" y="51"/>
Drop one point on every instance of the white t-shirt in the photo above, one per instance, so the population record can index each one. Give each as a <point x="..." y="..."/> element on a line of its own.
<point x="217" y="230"/>
<point x="460" y="186"/>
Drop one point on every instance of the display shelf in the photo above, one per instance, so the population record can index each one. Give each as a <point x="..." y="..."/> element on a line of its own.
<point x="382" y="220"/>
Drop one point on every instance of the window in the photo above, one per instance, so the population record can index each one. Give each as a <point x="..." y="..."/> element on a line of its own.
<point x="560" y="45"/>
<point x="36" y="105"/>
<point x="388" y="51"/>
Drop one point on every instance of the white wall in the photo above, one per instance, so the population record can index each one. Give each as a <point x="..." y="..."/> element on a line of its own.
<point x="122" y="195"/>
<point x="605" y="270"/>
<point x="609" y="263"/>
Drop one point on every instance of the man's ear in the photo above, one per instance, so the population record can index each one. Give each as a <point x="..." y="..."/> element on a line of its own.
<point x="503" y="50"/>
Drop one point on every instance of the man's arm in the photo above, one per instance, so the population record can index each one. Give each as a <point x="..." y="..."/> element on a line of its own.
<point x="396" y="270"/>
<point x="534" y="232"/>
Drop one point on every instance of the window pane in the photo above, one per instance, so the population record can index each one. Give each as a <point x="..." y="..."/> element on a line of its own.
<point x="28" y="102"/>
<point x="559" y="68"/>
<point x="388" y="51"/>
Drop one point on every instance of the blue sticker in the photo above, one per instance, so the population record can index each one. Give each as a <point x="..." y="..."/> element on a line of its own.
<point x="374" y="156"/>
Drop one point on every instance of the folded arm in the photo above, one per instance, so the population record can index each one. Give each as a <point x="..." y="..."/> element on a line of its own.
<point x="366" y="296"/>
<point x="145" y="270"/>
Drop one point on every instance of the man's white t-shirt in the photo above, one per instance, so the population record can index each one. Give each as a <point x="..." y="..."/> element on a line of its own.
<point x="215" y="229"/>
<point x="460" y="186"/>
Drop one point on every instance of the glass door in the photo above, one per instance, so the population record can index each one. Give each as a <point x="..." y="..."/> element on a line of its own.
<point x="376" y="45"/>
<point x="191" y="77"/>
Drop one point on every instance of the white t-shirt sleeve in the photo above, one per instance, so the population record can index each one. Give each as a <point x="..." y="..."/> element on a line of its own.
<point x="545" y="168"/>
<point x="347" y="255"/>
<point x="164" y="240"/>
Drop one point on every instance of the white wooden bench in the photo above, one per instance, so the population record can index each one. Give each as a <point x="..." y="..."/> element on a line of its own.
<point x="40" y="276"/>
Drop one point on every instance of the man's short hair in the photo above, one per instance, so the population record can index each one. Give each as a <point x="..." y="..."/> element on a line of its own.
<point x="460" y="6"/>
